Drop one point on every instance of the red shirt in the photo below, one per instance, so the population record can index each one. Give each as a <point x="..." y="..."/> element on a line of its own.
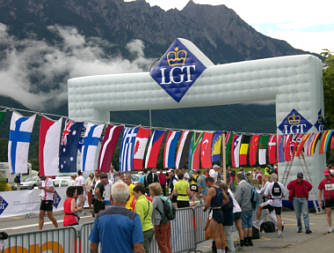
<point x="299" y="189"/>
<point x="327" y="186"/>
<point x="162" y="178"/>
<point x="69" y="218"/>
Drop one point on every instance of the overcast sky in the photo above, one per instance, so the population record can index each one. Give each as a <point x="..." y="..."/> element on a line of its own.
<point x="305" y="24"/>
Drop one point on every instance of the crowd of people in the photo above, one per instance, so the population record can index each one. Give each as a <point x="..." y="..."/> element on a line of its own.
<point x="134" y="213"/>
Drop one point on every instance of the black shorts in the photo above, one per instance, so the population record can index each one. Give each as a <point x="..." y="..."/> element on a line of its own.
<point x="174" y="198"/>
<point x="218" y="216"/>
<point x="181" y="204"/>
<point x="329" y="203"/>
<point x="79" y="190"/>
<point x="278" y="210"/>
<point x="237" y="216"/>
<point x="194" y="188"/>
<point x="98" y="206"/>
<point x="46" y="205"/>
<point x="269" y="207"/>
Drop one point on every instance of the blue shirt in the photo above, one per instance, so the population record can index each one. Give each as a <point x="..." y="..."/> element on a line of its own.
<point x="117" y="229"/>
<point x="142" y="179"/>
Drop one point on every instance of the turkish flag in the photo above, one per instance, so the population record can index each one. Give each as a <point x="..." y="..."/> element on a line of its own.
<point x="206" y="148"/>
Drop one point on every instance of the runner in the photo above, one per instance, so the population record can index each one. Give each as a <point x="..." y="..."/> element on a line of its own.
<point x="182" y="191"/>
<point x="99" y="194"/>
<point x="80" y="184"/>
<point x="70" y="208"/>
<point x="193" y="183"/>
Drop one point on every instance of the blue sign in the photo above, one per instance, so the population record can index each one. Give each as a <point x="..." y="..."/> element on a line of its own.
<point x="56" y="199"/>
<point x="320" y="124"/>
<point x="177" y="70"/>
<point x="3" y="205"/>
<point x="294" y="123"/>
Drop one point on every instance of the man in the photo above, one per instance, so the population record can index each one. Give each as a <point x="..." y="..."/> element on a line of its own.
<point x="80" y="185"/>
<point x="298" y="193"/>
<point x="193" y="184"/>
<point x="242" y="195"/>
<point x="276" y="192"/>
<point x="99" y="193"/>
<point x="326" y="187"/>
<point x="128" y="180"/>
<point x="216" y="198"/>
<point x="116" y="228"/>
<point x="214" y="172"/>
<point x="202" y="187"/>
<point x="152" y="177"/>
<point x="47" y="201"/>
<point x="163" y="181"/>
<point x="142" y="177"/>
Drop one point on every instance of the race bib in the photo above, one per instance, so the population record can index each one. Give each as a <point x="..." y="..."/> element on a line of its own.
<point x="329" y="187"/>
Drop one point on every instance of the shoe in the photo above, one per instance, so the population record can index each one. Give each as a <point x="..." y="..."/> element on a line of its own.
<point x="299" y="230"/>
<point x="250" y="243"/>
<point x="330" y="230"/>
<point x="279" y="234"/>
<point x="246" y="243"/>
<point x="308" y="231"/>
<point x="242" y="243"/>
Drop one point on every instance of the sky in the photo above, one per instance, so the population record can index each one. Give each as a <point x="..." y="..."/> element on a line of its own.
<point x="304" y="24"/>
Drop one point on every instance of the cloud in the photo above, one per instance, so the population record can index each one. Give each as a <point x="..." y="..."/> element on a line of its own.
<point x="35" y="73"/>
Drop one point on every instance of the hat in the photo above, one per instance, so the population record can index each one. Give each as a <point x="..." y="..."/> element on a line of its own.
<point x="326" y="172"/>
<point x="300" y="175"/>
<point x="215" y="166"/>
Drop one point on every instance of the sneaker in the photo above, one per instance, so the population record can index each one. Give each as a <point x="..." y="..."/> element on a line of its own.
<point x="308" y="231"/>
<point x="299" y="230"/>
<point x="279" y="234"/>
<point x="330" y="230"/>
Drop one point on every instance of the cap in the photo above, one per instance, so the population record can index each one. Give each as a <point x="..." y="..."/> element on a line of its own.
<point x="215" y="166"/>
<point x="300" y="175"/>
<point x="326" y="172"/>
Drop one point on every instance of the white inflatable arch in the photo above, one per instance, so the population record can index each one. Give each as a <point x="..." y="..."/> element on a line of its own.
<point x="293" y="82"/>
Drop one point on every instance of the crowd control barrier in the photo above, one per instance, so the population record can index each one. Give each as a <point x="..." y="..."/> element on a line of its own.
<point x="187" y="231"/>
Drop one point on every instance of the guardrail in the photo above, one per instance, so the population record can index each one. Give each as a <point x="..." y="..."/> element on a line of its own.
<point x="187" y="231"/>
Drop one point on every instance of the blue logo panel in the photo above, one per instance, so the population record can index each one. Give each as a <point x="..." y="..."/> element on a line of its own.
<point x="320" y="124"/>
<point x="294" y="123"/>
<point x="3" y="205"/>
<point x="177" y="70"/>
<point x="56" y="199"/>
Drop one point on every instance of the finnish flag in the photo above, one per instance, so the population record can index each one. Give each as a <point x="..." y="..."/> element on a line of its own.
<point x="19" y="140"/>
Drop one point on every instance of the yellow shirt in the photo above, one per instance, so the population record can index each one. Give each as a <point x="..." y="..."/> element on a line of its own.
<point x="128" y="204"/>
<point x="181" y="187"/>
<point x="144" y="209"/>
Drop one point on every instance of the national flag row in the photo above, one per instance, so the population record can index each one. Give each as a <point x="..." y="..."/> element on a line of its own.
<point x="140" y="147"/>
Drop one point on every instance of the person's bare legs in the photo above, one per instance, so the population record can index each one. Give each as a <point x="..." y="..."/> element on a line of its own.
<point x="41" y="219"/>
<point x="218" y="234"/>
<point x="329" y="217"/>
<point x="52" y="218"/>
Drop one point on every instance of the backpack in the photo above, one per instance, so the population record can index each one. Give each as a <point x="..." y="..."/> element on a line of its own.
<point x="254" y="197"/>
<point x="276" y="190"/>
<point x="169" y="210"/>
<point x="268" y="227"/>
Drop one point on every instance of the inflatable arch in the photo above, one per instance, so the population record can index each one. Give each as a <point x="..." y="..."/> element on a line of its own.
<point x="185" y="77"/>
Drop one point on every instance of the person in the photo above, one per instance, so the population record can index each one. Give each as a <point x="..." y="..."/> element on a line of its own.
<point x="214" y="172"/>
<point x="70" y="208"/>
<point x="237" y="217"/>
<point x="298" y="192"/>
<point x="151" y="177"/>
<point x="193" y="183"/>
<point x="117" y="228"/>
<point x="173" y="179"/>
<point x="162" y="228"/>
<point x="186" y="175"/>
<point x="99" y="194"/>
<point x="276" y="192"/>
<point x="202" y="187"/>
<point x="216" y="198"/>
<point x="127" y="179"/>
<point x="326" y="187"/>
<point x="89" y="188"/>
<point x="142" y="177"/>
<point x="143" y="208"/>
<point x="80" y="184"/>
<point x="243" y="197"/>
<point x="182" y="191"/>
<point x="17" y="180"/>
<point x="163" y="181"/>
<point x="73" y="177"/>
<point x="230" y="178"/>
<point x="47" y="201"/>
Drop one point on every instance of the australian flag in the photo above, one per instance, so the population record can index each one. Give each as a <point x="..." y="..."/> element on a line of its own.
<point x="69" y="146"/>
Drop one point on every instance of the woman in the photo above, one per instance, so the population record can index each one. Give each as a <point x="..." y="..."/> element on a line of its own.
<point x="182" y="191"/>
<point x="70" y="208"/>
<point x="89" y="188"/>
<point x="143" y="208"/>
<point x="162" y="229"/>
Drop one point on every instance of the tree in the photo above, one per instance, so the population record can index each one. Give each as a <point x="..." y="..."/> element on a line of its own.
<point x="328" y="79"/>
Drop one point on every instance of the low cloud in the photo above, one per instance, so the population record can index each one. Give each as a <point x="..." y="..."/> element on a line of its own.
<point x="35" y="73"/>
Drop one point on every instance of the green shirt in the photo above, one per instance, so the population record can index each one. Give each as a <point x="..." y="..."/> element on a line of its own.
<point x="144" y="209"/>
<point x="181" y="187"/>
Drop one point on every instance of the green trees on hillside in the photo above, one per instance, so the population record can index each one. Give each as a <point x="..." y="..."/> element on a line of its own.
<point x="328" y="79"/>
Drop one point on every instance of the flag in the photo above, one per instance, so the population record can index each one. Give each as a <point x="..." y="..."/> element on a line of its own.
<point x="235" y="150"/>
<point x="154" y="148"/>
<point x="108" y="146"/>
<point x="127" y="149"/>
<point x="289" y="147"/>
<point x="69" y="146"/>
<point x="328" y="140"/>
<point x="140" y="146"/>
<point x="216" y="146"/>
<point x="254" y="144"/>
<point x="308" y="144"/>
<point x="263" y="146"/>
<point x="194" y="151"/>
<point x="244" y="146"/>
<point x="49" y="139"/>
<point x="280" y="148"/>
<point x="88" y="150"/>
<point x="272" y="149"/>
<point x="18" y="144"/>
<point x="206" y="149"/>
<point x="324" y="138"/>
<point x="182" y="150"/>
<point x="228" y="146"/>
<point x="301" y="145"/>
<point x="331" y="153"/>
<point x="315" y="141"/>
<point x="170" y="149"/>
<point x="2" y="114"/>
<point x="294" y="142"/>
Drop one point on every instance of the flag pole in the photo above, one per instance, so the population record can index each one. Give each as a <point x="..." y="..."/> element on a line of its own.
<point x="224" y="157"/>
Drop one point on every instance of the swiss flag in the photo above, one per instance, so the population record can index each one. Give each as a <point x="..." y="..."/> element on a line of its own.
<point x="272" y="149"/>
<point x="206" y="149"/>
<point x="140" y="145"/>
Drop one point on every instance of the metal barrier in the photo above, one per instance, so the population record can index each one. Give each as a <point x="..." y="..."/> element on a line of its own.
<point x="200" y="220"/>
<point x="62" y="240"/>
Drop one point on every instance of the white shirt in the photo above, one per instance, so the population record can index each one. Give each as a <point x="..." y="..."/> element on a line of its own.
<point x="213" y="174"/>
<point x="47" y="183"/>
<point x="107" y="190"/>
<point x="275" y="201"/>
<point x="80" y="181"/>
<point x="264" y="188"/>
<point x="236" y="206"/>
<point x="186" y="176"/>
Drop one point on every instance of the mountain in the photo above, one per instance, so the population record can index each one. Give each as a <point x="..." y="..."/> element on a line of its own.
<point x="217" y="30"/>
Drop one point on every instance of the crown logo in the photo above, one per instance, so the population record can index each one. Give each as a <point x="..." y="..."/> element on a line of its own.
<point x="177" y="57"/>
<point x="294" y="119"/>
